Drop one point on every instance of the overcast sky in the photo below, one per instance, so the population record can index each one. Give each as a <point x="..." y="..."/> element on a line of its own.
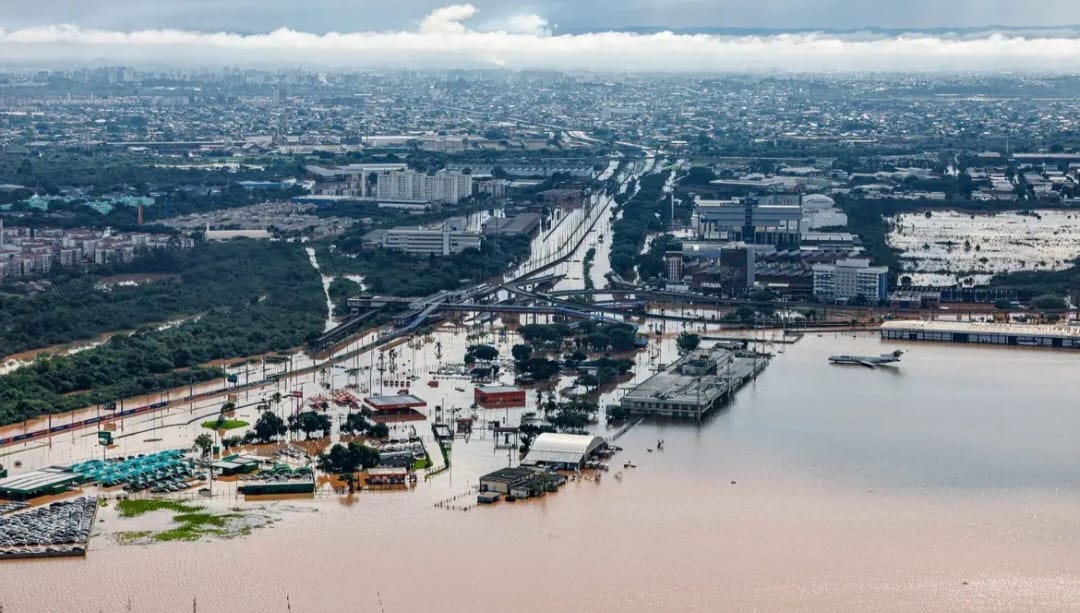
<point x="360" y="15"/>
<point x="561" y="34"/>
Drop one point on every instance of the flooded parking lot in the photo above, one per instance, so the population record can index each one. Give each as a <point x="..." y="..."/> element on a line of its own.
<point x="958" y="245"/>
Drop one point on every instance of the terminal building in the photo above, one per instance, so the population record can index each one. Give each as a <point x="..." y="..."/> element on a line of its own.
<point x="1007" y="335"/>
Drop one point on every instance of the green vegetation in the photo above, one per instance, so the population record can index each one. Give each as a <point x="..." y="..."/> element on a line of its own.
<point x="584" y="335"/>
<point x="211" y="277"/>
<point x="309" y="422"/>
<point x="1048" y="302"/>
<point x="265" y="297"/>
<point x="586" y="266"/>
<point x="224" y="424"/>
<point x="651" y="263"/>
<point x="348" y="458"/>
<point x="481" y="352"/>
<point x="194" y="526"/>
<point x="135" y="508"/>
<point x="132" y="536"/>
<point x="1030" y="283"/>
<point x="356" y="424"/>
<point x="688" y="341"/>
<point x="268" y="427"/>
<point x="642" y="213"/>
<point x="402" y="274"/>
<point x="204" y="442"/>
<point x="340" y="290"/>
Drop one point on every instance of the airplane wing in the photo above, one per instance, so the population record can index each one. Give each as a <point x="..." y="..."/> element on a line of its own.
<point x="867" y="364"/>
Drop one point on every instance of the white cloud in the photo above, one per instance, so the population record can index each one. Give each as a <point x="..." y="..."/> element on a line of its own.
<point x="443" y="40"/>
<point x="447" y="20"/>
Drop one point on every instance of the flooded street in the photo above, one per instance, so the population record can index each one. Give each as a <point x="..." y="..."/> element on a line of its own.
<point x="950" y="480"/>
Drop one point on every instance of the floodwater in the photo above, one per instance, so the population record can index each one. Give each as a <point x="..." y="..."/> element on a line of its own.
<point x="949" y="483"/>
<point x="957" y="245"/>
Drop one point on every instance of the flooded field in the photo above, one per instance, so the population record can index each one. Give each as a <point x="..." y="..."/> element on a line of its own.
<point x="955" y="245"/>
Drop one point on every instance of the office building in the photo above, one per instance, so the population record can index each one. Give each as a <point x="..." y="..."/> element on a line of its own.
<point x="850" y="279"/>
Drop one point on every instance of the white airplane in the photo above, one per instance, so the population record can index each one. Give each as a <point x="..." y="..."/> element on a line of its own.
<point x="869" y="361"/>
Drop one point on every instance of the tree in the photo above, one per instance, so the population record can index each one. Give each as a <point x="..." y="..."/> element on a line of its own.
<point x="521" y="352"/>
<point x="688" y="341"/>
<point x="484" y="352"/>
<point x="205" y="443"/>
<point x="1048" y="302"/>
<point x="309" y="422"/>
<point x="269" y="427"/>
<point x="348" y="459"/>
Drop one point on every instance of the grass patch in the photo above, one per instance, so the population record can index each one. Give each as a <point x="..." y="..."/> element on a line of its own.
<point x="131" y="537"/>
<point x="135" y="508"/>
<point x="194" y="526"/>
<point x="421" y="464"/>
<point x="225" y="424"/>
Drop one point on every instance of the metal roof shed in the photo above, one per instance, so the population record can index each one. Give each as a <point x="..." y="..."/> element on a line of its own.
<point x="562" y="450"/>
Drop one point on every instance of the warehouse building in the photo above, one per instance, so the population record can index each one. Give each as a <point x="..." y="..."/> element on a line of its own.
<point x="521" y="482"/>
<point x="562" y="451"/>
<point x="44" y="482"/>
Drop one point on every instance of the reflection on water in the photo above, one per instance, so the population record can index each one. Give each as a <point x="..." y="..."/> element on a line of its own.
<point x="948" y="483"/>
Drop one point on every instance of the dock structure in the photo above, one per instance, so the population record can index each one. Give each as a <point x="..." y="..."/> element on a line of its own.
<point x="696" y="384"/>
<point x="988" y="333"/>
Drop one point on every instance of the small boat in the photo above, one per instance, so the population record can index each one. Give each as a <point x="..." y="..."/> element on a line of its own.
<point x="433" y="383"/>
<point x="629" y="464"/>
<point x="459" y="389"/>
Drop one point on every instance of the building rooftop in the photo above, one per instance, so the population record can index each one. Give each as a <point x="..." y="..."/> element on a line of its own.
<point x="984" y="328"/>
<point x="393" y="402"/>
<point x="38" y="480"/>
<point x="558" y="448"/>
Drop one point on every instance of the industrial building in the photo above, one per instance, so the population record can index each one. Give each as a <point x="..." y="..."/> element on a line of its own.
<point x="499" y="396"/>
<point x="444" y="240"/>
<point x="1008" y="335"/>
<point x="518" y="225"/>
<point x="695" y="384"/>
<point x="851" y="279"/>
<point x="278" y="481"/>
<point x="562" y="451"/>
<point x="44" y="482"/>
<point x="766" y="220"/>
<point x="521" y="482"/>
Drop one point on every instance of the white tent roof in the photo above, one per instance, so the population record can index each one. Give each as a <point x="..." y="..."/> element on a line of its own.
<point x="553" y="448"/>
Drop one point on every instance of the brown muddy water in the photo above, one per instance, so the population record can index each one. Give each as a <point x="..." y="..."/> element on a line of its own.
<point x="950" y="483"/>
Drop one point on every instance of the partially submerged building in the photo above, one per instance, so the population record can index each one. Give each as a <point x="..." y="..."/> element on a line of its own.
<point x="562" y="451"/>
<point x="695" y="384"/>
